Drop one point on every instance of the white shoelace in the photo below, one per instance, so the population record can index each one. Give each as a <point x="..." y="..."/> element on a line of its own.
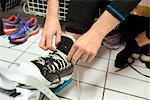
<point x="78" y="82"/>
<point x="53" y="62"/>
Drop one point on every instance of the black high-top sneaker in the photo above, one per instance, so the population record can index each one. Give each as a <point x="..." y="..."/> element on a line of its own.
<point x="123" y="57"/>
<point x="55" y="67"/>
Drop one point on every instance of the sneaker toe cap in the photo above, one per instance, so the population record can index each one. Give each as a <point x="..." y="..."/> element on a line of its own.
<point x="13" y="37"/>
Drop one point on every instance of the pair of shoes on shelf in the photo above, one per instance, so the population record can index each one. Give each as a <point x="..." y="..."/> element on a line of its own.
<point x="47" y="74"/>
<point x="19" y="30"/>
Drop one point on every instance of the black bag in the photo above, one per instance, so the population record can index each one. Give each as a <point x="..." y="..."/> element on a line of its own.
<point x="9" y="4"/>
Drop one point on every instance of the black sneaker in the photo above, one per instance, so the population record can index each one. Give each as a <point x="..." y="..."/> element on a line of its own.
<point x="123" y="57"/>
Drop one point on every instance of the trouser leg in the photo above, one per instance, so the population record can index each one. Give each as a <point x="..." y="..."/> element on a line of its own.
<point x="81" y="15"/>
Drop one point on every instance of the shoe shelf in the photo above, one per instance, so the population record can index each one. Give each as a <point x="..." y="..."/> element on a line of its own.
<point x="38" y="7"/>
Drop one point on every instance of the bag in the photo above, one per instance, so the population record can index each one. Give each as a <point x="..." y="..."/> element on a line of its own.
<point x="9" y="4"/>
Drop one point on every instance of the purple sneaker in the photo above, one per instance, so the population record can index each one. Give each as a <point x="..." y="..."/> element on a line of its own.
<point x="113" y="41"/>
<point x="25" y="30"/>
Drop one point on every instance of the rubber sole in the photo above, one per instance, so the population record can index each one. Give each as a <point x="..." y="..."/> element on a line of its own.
<point x="19" y="41"/>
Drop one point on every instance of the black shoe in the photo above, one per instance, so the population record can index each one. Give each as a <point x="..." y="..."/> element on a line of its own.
<point x="122" y="58"/>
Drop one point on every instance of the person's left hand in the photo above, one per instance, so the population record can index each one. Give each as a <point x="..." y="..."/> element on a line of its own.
<point x="85" y="47"/>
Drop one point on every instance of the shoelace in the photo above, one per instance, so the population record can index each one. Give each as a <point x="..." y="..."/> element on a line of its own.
<point x="129" y="64"/>
<point x="23" y="27"/>
<point x="78" y="83"/>
<point x="138" y="71"/>
<point x="53" y="63"/>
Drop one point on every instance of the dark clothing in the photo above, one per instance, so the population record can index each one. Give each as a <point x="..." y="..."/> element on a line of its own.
<point x="134" y="25"/>
<point x="82" y="13"/>
<point x="121" y="8"/>
<point x="9" y="4"/>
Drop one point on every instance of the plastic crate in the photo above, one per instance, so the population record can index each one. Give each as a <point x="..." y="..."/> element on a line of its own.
<point x="38" y="7"/>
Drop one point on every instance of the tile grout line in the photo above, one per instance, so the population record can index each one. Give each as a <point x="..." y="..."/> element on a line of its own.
<point x="129" y="77"/>
<point x="89" y="83"/>
<point x="110" y="89"/>
<point x="116" y="90"/>
<point x="126" y="93"/>
<point x="21" y="54"/>
<point x="106" y="76"/>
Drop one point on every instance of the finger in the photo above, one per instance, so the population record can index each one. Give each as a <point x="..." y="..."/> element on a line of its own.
<point x="58" y="37"/>
<point x="49" y="41"/>
<point x="76" y="56"/>
<point x="90" y="58"/>
<point x="71" y="52"/>
<point x="42" y="43"/>
<point x="84" y="57"/>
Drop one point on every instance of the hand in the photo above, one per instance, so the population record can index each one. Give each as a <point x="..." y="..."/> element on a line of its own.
<point x="52" y="27"/>
<point x="85" y="47"/>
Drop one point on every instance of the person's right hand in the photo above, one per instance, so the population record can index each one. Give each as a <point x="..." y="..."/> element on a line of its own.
<point x="51" y="27"/>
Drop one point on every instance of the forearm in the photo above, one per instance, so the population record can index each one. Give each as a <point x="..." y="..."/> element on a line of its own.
<point x="115" y="12"/>
<point x="105" y="23"/>
<point x="52" y="9"/>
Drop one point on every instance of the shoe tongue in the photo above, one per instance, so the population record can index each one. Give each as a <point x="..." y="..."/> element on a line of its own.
<point x="65" y="44"/>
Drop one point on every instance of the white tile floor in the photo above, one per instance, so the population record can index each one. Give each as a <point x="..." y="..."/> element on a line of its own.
<point x="98" y="79"/>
